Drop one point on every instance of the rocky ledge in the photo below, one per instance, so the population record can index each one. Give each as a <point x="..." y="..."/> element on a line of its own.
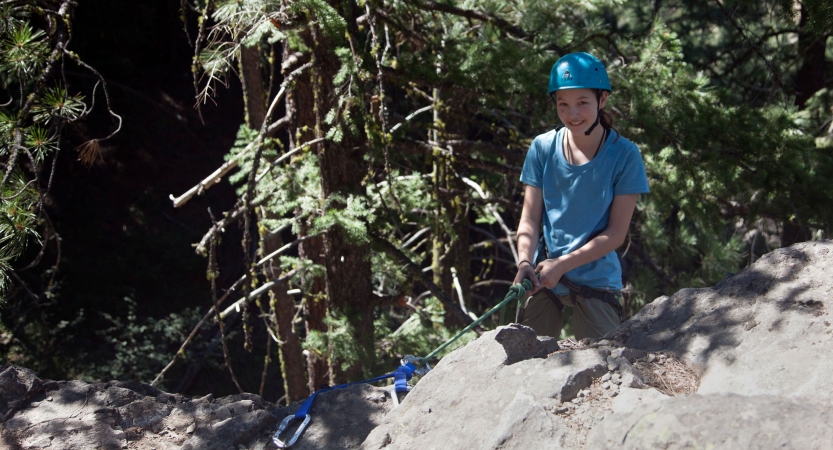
<point x="745" y="364"/>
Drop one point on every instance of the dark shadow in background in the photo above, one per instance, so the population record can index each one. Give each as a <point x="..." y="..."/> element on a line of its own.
<point x="121" y="236"/>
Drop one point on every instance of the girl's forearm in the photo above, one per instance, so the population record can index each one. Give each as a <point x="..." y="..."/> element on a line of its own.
<point x="595" y="249"/>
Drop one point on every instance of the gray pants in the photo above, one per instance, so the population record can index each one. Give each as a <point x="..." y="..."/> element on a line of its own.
<point x="592" y="318"/>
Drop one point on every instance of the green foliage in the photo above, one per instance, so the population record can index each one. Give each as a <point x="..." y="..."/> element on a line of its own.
<point x="17" y="223"/>
<point x="30" y="124"/>
<point x="424" y="331"/>
<point x="141" y="346"/>
<point x="24" y="51"/>
<point x="431" y="96"/>
<point x="330" y="20"/>
<point x="338" y="343"/>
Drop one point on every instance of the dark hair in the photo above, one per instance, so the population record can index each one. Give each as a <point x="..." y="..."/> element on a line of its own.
<point x="605" y="119"/>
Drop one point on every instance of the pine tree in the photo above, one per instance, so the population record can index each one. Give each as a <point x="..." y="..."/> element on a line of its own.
<point x="406" y="124"/>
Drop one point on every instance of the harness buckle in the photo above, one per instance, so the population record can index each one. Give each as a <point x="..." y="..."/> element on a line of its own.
<point x="276" y="437"/>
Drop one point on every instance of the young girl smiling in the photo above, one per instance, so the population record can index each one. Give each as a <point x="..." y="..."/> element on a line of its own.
<point x="581" y="186"/>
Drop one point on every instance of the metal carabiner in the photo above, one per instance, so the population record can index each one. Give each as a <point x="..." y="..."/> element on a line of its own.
<point x="276" y="437"/>
<point x="391" y="389"/>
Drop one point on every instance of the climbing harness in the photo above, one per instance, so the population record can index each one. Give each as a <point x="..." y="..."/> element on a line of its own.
<point x="411" y="365"/>
<point x="609" y="297"/>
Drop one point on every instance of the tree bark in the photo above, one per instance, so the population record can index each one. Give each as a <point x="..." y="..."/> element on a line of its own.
<point x="300" y="106"/>
<point x="282" y="305"/>
<point x="347" y="262"/>
<point x="315" y="310"/>
<point x="251" y="77"/>
<point x="461" y="248"/>
<point x="283" y="313"/>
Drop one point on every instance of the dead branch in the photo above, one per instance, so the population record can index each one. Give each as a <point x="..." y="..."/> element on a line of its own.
<point x="235" y="215"/>
<point x="265" y="130"/>
<point x="213" y="272"/>
<point x="491" y="208"/>
<point x="420" y="147"/>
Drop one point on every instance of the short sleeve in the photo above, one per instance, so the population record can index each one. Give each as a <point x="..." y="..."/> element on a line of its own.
<point x="631" y="179"/>
<point x="533" y="170"/>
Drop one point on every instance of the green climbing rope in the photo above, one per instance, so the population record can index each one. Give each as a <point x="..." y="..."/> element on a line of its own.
<point x="516" y="292"/>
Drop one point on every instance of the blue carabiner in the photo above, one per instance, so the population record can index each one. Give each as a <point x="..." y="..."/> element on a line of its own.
<point x="276" y="438"/>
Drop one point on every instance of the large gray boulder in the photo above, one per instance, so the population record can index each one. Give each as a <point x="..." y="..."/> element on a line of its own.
<point x="755" y="348"/>
<point x="503" y="391"/>
<point x="764" y="331"/>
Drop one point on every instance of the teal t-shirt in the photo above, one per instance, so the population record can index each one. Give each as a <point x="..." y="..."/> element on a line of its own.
<point x="577" y="199"/>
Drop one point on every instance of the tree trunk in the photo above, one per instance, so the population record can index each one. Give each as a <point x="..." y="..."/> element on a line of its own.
<point x="347" y="261"/>
<point x="461" y="252"/>
<point x="810" y="76"/>
<point x="315" y="310"/>
<point x="251" y="77"/>
<point x="283" y="306"/>
<point x="300" y="106"/>
<point x="283" y="310"/>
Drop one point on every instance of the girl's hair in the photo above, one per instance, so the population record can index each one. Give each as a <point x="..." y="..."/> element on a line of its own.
<point x="605" y="119"/>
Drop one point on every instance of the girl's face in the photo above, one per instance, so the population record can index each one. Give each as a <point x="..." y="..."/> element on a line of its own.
<point x="577" y="108"/>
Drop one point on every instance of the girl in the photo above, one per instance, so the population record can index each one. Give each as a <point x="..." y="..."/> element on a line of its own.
<point x="581" y="183"/>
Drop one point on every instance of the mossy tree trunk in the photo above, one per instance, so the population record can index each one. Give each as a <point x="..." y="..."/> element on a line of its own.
<point x="283" y="305"/>
<point x="347" y="262"/>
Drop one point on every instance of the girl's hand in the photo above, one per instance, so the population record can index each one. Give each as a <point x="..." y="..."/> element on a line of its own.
<point x="525" y="271"/>
<point x="550" y="272"/>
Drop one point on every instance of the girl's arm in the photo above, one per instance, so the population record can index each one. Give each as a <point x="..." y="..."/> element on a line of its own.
<point x="528" y="230"/>
<point x="610" y="239"/>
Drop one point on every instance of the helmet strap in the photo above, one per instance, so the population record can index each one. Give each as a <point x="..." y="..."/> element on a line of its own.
<point x="593" y="127"/>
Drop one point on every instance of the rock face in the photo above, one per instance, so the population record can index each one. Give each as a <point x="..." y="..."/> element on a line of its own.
<point x="117" y="415"/>
<point x="719" y="421"/>
<point x="756" y="349"/>
<point x="766" y="330"/>
<point x="745" y="364"/>
<point x="502" y="391"/>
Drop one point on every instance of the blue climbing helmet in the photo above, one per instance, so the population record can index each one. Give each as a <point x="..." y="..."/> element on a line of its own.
<point x="577" y="71"/>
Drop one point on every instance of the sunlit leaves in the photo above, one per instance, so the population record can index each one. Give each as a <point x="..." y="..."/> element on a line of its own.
<point x="24" y="51"/>
<point x="330" y="20"/>
<point x="17" y="220"/>
<point x="40" y="143"/>
<point x="55" y="103"/>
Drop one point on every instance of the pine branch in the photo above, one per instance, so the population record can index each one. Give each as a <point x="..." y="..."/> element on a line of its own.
<point x="62" y="38"/>
<point x="421" y="147"/>
<point x="430" y="5"/>
<point x="453" y="308"/>
<point x="756" y="47"/>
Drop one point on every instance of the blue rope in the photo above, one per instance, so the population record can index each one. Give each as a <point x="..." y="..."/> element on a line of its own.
<point x="401" y="377"/>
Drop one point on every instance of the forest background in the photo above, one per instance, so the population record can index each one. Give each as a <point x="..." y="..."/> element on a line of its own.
<point x="345" y="173"/>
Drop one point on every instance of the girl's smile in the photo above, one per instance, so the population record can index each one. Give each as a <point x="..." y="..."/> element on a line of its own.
<point x="577" y="108"/>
